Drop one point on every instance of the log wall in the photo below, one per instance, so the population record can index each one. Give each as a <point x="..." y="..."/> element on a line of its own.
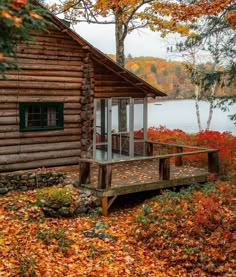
<point x="55" y="68"/>
<point x="110" y="84"/>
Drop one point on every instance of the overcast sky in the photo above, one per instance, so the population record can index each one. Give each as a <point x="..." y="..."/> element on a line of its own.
<point x="138" y="43"/>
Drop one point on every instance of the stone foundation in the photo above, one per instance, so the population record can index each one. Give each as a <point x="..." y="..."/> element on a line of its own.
<point x="25" y="180"/>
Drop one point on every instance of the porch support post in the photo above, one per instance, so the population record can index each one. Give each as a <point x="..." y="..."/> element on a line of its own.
<point x="84" y="173"/>
<point x="131" y="128"/>
<point x="104" y="176"/>
<point x="213" y="162"/>
<point x="109" y="136"/>
<point x="145" y="125"/>
<point x="104" y="201"/>
<point x="178" y="159"/>
<point x="103" y="120"/>
<point x="94" y="129"/>
<point x="164" y="169"/>
<point x="149" y="148"/>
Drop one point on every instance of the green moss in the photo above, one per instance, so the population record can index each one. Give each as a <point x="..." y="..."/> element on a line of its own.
<point x="55" y="197"/>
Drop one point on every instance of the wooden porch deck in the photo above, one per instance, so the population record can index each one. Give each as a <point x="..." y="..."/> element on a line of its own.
<point x="152" y="172"/>
<point x="142" y="176"/>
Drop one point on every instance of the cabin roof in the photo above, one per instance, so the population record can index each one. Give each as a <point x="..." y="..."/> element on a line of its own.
<point x="103" y="59"/>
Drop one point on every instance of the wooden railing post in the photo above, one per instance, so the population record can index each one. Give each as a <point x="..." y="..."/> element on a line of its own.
<point x="164" y="169"/>
<point x="104" y="176"/>
<point x="213" y="162"/>
<point x="178" y="159"/>
<point x="149" y="148"/>
<point x="84" y="173"/>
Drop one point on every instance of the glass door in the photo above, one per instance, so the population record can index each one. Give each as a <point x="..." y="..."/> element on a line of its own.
<point x="122" y="128"/>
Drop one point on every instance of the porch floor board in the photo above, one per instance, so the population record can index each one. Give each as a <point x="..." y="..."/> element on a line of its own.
<point x="143" y="176"/>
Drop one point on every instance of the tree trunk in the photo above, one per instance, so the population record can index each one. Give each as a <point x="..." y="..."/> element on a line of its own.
<point x="197" y="108"/>
<point x="120" y="33"/>
<point x="213" y="88"/>
<point x="120" y="38"/>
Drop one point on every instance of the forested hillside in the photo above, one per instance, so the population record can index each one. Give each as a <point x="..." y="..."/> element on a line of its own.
<point x="168" y="76"/>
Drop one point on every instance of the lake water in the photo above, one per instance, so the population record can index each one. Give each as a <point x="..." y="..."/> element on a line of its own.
<point x="180" y="114"/>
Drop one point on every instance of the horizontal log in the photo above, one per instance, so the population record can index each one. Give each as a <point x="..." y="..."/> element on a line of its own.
<point x="72" y="125"/>
<point x="72" y="131"/>
<point x="72" y="111"/>
<point x="99" y="77"/>
<point x="114" y="94"/>
<point x="48" y="62"/>
<point x="37" y="156"/>
<point x="8" y="120"/>
<point x="110" y="82"/>
<point x="54" y="67"/>
<point x="28" y="78"/>
<point x="72" y="118"/>
<point x="75" y="105"/>
<point x="39" y="164"/>
<point x="52" y="35"/>
<point x="116" y="89"/>
<point x="4" y="105"/>
<point x="34" y="46"/>
<point x="32" y="148"/>
<point x="49" y="58"/>
<point x="55" y="41"/>
<point x="50" y="51"/>
<point x="8" y="112"/>
<point x="78" y="73"/>
<point x="9" y="128"/>
<point x="43" y="41"/>
<point x="40" y="85"/>
<point x="39" y="140"/>
<point x="32" y="98"/>
<point x="50" y="92"/>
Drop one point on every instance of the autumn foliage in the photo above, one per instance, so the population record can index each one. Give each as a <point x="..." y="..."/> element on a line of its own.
<point x="192" y="231"/>
<point x="187" y="233"/>
<point x="225" y="142"/>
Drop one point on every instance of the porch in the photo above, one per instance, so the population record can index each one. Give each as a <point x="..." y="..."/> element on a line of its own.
<point x="161" y="166"/>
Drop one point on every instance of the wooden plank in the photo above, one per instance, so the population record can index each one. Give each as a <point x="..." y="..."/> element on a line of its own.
<point x="149" y="149"/>
<point x="164" y="169"/>
<point x="150" y="158"/>
<point x="48" y="62"/>
<point x="28" y="157"/>
<point x="84" y="173"/>
<point x="10" y="120"/>
<point x="53" y="67"/>
<point x="177" y="145"/>
<point x="45" y="78"/>
<point x="41" y="163"/>
<point x="50" y="51"/>
<point x="213" y="162"/>
<point x="104" y="176"/>
<point x="50" y="58"/>
<point x="39" y="140"/>
<point x="179" y="159"/>
<point x="36" y="72"/>
<point x="104" y="201"/>
<point x="51" y="133"/>
<point x="43" y="147"/>
<point x="114" y="191"/>
<point x="40" y="85"/>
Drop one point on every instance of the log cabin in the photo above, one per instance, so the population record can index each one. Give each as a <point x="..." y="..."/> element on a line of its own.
<point x="59" y="107"/>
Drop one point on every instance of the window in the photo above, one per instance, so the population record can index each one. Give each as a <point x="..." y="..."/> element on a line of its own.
<point x="41" y="116"/>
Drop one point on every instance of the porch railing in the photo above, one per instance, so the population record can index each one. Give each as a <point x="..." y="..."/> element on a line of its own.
<point x="177" y="153"/>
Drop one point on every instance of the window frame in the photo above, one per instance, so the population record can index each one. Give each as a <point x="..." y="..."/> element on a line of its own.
<point x="59" y="106"/>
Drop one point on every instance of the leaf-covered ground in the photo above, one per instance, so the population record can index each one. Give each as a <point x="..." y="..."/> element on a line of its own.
<point x="189" y="233"/>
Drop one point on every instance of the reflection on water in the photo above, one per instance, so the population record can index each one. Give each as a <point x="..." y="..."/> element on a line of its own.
<point x="180" y="114"/>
